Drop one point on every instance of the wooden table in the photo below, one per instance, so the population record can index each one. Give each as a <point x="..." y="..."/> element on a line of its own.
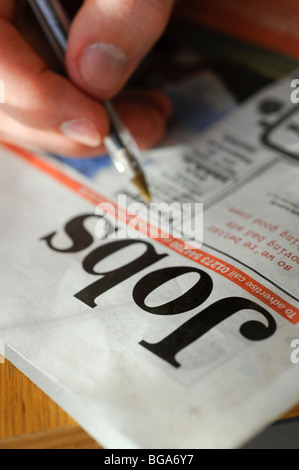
<point x="31" y="420"/>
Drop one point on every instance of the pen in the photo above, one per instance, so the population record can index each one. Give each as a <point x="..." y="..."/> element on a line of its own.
<point x="119" y="143"/>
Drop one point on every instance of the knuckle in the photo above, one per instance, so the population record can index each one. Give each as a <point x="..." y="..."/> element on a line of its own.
<point x="147" y="19"/>
<point x="155" y="12"/>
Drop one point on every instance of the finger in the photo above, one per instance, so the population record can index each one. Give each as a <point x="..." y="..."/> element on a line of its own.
<point x="40" y="99"/>
<point x="153" y="98"/>
<point x="109" y="38"/>
<point x="144" y="113"/>
<point x="37" y="140"/>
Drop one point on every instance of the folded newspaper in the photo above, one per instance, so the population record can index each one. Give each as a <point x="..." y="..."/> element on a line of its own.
<point x="155" y="341"/>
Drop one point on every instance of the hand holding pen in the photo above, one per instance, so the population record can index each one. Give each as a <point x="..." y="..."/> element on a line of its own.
<point x="45" y="111"/>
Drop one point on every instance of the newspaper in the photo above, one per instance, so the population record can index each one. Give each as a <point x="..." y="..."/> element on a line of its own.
<point x="146" y="342"/>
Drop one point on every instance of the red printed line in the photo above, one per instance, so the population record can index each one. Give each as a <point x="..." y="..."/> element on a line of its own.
<point x="236" y="276"/>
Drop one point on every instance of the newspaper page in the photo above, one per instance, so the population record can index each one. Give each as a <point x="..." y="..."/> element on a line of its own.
<point x="155" y="342"/>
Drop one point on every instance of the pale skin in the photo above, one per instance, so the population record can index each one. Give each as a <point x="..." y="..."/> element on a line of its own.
<point x="43" y="111"/>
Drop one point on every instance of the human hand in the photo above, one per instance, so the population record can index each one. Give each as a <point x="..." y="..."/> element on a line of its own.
<point x="108" y="39"/>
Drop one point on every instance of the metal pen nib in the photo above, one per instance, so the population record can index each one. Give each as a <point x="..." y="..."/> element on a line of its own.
<point x="141" y="184"/>
<point x="125" y="153"/>
<point x="120" y="144"/>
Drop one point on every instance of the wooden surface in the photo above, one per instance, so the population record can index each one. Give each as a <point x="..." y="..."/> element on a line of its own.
<point x="30" y="420"/>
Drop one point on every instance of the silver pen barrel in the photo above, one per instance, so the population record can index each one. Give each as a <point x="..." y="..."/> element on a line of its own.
<point x="55" y="24"/>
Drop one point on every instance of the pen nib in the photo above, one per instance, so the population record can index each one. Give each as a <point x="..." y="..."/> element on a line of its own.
<point x="140" y="182"/>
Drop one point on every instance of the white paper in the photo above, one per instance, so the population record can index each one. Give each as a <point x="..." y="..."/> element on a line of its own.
<point x="139" y="361"/>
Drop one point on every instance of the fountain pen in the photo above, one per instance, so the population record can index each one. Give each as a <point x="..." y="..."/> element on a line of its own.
<point x="119" y="143"/>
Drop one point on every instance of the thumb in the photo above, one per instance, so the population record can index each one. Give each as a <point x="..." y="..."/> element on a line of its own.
<point x="109" y="38"/>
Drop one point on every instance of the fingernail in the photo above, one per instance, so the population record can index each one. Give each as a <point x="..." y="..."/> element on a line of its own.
<point x="82" y="131"/>
<point x="102" y="66"/>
